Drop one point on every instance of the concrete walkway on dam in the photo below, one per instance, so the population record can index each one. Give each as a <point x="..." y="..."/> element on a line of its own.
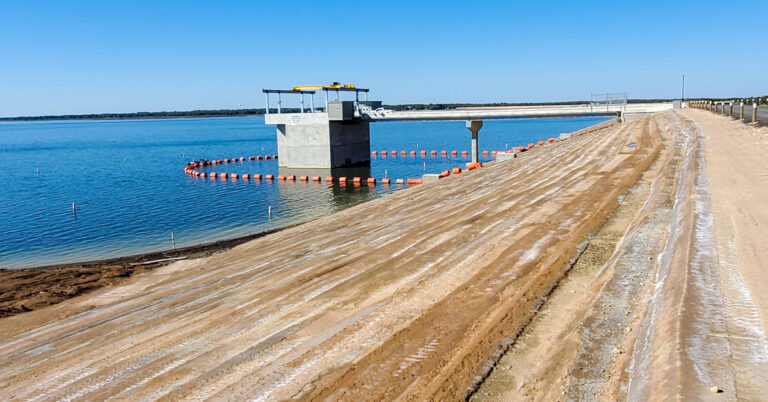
<point x="588" y="268"/>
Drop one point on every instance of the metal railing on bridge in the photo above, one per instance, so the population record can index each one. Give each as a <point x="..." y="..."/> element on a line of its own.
<point x="610" y="102"/>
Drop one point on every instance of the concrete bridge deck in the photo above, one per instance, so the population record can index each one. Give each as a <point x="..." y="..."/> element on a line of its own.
<point x="521" y="112"/>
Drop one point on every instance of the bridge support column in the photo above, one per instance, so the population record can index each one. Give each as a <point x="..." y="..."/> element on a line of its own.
<point x="474" y="126"/>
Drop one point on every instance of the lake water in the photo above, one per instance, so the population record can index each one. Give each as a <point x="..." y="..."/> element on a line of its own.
<point x="126" y="178"/>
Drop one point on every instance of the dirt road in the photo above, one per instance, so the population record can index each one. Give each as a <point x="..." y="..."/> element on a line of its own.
<point x="588" y="268"/>
<point x="661" y="305"/>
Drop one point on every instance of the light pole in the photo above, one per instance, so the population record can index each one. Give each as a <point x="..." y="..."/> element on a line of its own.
<point x="682" y="97"/>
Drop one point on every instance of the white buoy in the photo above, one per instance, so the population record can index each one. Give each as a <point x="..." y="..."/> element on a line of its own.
<point x="74" y="208"/>
<point x="38" y="171"/>
<point x="173" y="242"/>
<point x="269" y="213"/>
<point x="385" y="173"/>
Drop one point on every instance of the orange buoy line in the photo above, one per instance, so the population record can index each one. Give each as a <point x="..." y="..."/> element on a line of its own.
<point x="191" y="168"/>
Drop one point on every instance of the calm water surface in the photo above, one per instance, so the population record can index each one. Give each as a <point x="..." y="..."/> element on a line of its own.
<point x="126" y="178"/>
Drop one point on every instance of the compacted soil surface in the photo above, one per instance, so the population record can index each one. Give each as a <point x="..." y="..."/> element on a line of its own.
<point x="590" y="268"/>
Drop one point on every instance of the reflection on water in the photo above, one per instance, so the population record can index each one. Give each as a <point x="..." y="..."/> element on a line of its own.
<point x="131" y="193"/>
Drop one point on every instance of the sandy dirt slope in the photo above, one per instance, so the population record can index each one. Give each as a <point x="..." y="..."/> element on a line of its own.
<point x="661" y="305"/>
<point x="413" y="295"/>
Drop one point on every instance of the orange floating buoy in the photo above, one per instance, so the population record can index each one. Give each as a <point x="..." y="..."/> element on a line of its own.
<point x="445" y="173"/>
<point x="291" y="177"/>
<point x="456" y="170"/>
<point x="328" y="179"/>
<point x="413" y="153"/>
<point x="213" y="174"/>
<point x="257" y="176"/>
<point x="242" y="159"/>
<point x="203" y="174"/>
<point x="521" y="149"/>
<point x="443" y="153"/>
<point x="356" y="180"/>
<point x="414" y="181"/>
<point x="383" y="153"/>
<point x="423" y="153"/>
<point x="246" y="176"/>
<point x="226" y="160"/>
<point x="542" y="142"/>
<point x="551" y="139"/>
<point x="315" y="178"/>
<point x="386" y="181"/>
<point x="402" y="153"/>
<point x="223" y="175"/>
<point x="269" y="177"/>
<point x="485" y="153"/>
<point x="454" y="153"/>
<point x="372" y="180"/>
<point x="233" y="176"/>
<point x="280" y="177"/>
<point x="219" y="161"/>
<point x="493" y="153"/>
<point x="433" y="153"/>
<point x="259" y="157"/>
<point x="250" y="158"/>
<point x="531" y="145"/>
<point x="374" y="153"/>
<point x="463" y="153"/>
<point x="267" y="157"/>
<point x="275" y="156"/>
<point x="304" y="178"/>
<point x="342" y="179"/>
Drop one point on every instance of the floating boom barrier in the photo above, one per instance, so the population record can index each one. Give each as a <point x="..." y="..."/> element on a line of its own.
<point x="192" y="168"/>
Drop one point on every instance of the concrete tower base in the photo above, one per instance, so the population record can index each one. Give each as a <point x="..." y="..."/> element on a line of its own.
<point x="322" y="140"/>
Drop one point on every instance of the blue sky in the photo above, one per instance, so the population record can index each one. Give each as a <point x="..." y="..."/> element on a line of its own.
<point x="62" y="57"/>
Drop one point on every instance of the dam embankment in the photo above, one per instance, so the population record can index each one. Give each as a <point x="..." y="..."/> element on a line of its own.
<point x="408" y="295"/>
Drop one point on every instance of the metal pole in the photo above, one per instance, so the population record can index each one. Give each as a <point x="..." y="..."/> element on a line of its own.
<point x="337" y="94"/>
<point x="731" y="108"/>
<point x="357" y="100"/>
<point x="279" y="103"/>
<point x="266" y="110"/>
<point x="302" y="102"/>
<point x="741" y="110"/>
<point x="366" y="95"/>
<point x="682" y="98"/>
<point x="326" y="99"/>
<point x="312" y="102"/>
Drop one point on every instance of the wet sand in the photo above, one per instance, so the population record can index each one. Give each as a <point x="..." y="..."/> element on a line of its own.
<point x="584" y="269"/>
<point x="29" y="289"/>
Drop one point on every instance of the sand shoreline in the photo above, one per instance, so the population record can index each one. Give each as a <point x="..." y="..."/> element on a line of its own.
<point x="28" y="289"/>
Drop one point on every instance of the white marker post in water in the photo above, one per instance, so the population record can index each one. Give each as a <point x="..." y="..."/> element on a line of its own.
<point x="173" y="242"/>
<point x="269" y="213"/>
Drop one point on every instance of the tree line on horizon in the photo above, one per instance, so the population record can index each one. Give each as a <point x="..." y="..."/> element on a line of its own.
<point x="260" y="111"/>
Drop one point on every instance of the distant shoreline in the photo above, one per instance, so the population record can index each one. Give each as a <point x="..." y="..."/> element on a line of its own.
<point x="260" y="112"/>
